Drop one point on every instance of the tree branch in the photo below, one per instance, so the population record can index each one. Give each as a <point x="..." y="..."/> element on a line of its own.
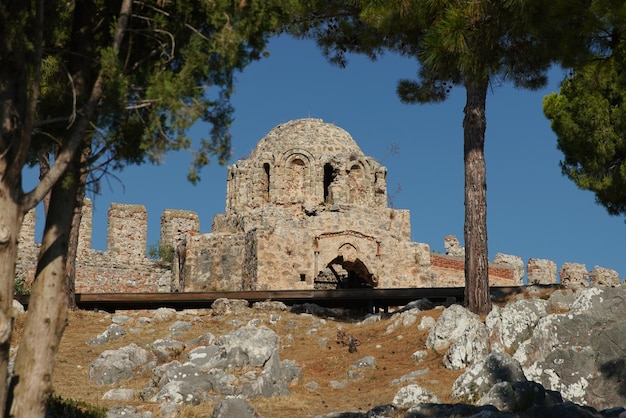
<point x="18" y="163"/>
<point x="31" y="199"/>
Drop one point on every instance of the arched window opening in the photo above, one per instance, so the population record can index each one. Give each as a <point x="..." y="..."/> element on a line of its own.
<point x="295" y="181"/>
<point x="266" y="180"/>
<point x="329" y="177"/>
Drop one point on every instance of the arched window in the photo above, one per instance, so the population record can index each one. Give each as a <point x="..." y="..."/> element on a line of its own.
<point x="357" y="183"/>
<point x="329" y="177"/>
<point x="266" y="183"/>
<point x="296" y="179"/>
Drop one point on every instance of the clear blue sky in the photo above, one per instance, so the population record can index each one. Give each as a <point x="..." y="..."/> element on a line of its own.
<point x="532" y="211"/>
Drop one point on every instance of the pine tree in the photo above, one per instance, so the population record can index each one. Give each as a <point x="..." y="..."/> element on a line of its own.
<point x="588" y="114"/>
<point x="471" y="44"/>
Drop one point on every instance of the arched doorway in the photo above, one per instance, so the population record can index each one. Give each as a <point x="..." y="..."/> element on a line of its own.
<point x="342" y="273"/>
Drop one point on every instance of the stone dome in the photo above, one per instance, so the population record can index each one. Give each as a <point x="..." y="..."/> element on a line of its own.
<point x="312" y="135"/>
<point x="305" y="164"/>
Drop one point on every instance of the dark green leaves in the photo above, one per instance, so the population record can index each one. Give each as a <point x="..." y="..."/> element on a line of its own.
<point x="589" y="117"/>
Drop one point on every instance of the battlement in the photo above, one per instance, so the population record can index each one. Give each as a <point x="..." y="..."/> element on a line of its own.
<point x="127" y="229"/>
<point x="125" y="266"/>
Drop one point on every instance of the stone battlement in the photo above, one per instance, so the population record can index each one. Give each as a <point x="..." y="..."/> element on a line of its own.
<point x="125" y="266"/>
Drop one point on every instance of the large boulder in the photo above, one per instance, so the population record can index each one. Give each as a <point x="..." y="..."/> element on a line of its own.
<point x="224" y="306"/>
<point x="248" y="345"/>
<point x="482" y="375"/>
<point x="462" y="334"/>
<point x="513" y="324"/>
<point x="113" y="366"/>
<point x="234" y="407"/>
<point x="582" y="353"/>
<point x="520" y="396"/>
<point x="413" y="394"/>
<point x="273" y="380"/>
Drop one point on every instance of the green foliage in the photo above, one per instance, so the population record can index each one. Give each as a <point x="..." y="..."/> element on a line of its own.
<point x="160" y="251"/>
<point x="455" y="42"/>
<point x="20" y="287"/>
<point x="175" y="67"/>
<point x="70" y="408"/>
<point x="588" y="116"/>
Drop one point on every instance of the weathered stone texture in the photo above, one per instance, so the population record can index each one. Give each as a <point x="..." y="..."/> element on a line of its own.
<point x="513" y="261"/>
<point x="574" y="275"/>
<point x="84" y="237"/>
<point x="601" y="276"/>
<point x="128" y="229"/>
<point x="177" y="224"/>
<point x="541" y="271"/>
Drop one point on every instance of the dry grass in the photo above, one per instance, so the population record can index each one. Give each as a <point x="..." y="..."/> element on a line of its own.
<point x="321" y="363"/>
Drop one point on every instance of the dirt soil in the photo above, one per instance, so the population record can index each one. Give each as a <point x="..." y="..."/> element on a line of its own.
<point x="302" y="339"/>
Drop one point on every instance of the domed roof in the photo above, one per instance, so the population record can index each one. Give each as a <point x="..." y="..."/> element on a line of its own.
<point x="312" y="135"/>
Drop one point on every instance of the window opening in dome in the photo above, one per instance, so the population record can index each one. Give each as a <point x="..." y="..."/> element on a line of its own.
<point x="329" y="177"/>
<point x="266" y="190"/>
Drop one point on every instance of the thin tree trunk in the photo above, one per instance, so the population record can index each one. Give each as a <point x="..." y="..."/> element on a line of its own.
<point x="477" y="295"/>
<point x="80" y="66"/>
<point x="31" y="383"/>
<point x="80" y="176"/>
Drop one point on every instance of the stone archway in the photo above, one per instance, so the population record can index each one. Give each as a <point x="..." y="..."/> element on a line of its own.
<point x="346" y="271"/>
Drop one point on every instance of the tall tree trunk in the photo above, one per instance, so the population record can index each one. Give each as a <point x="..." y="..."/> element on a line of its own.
<point x="10" y="220"/>
<point x="477" y="296"/>
<point x="31" y="383"/>
<point x="47" y="317"/>
<point x="16" y="118"/>
<point x="79" y="175"/>
<point x="81" y="69"/>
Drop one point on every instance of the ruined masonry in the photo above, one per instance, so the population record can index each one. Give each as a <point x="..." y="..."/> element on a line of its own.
<point x="306" y="210"/>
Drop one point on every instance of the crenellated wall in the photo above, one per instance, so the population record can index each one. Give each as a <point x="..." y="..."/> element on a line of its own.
<point x="125" y="267"/>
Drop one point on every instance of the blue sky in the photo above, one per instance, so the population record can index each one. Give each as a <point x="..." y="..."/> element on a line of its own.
<point x="532" y="210"/>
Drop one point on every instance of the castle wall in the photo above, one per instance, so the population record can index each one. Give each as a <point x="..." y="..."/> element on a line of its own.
<point x="268" y="257"/>
<point x="214" y="262"/>
<point x="124" y="266"/>
<point x="306" y="210"/>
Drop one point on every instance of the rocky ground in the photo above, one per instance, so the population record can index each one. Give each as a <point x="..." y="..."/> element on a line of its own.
<point x="530" y="357"/>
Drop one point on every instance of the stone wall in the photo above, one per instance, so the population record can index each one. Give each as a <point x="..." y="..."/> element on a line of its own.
<point x="124" y="267"/>
<point x="261" y="259"/>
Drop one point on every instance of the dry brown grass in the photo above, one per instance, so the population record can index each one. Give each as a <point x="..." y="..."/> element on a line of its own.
<point x="321" y="363"/>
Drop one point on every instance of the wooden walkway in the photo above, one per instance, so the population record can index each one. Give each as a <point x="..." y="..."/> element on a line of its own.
<point x="370" y="300"/>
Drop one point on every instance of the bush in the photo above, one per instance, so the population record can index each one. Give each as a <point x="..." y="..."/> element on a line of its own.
<point x="163" y="252"/>
<point x="56" y="407"/>
<point x="20" y="287"/>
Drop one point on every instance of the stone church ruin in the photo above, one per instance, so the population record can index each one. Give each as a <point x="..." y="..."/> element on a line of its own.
<point x="306" y="210"/>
